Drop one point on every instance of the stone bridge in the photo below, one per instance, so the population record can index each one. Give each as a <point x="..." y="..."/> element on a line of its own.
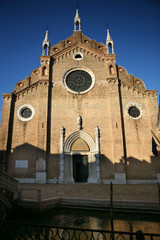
<point x="8" y="193"/>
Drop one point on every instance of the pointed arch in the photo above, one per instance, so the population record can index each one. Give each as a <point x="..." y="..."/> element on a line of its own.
<point x="79" y="134"/>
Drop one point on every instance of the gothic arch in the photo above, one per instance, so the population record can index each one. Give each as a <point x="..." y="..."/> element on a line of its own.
<point x="79" y="134"/>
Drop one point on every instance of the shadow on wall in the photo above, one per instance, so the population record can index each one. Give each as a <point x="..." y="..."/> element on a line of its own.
<point x="22" y="164"/>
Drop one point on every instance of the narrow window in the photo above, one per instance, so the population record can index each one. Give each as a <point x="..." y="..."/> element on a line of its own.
<point x="44" y="71"/>
<point x="111" y="69"/>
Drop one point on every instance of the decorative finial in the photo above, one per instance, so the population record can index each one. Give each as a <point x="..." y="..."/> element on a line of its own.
<point x="46" y="45"/>
<point x="109" y="43"/>
<point x="79" y="122"/>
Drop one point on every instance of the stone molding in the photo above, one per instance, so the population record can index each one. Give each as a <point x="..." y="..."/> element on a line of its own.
<point x="7" y="96"/>
<point x="134" y="90"/>
<point x="112" y="81"/>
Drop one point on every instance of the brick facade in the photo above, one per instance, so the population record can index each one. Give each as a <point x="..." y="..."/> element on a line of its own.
<point x="37" y="150"/>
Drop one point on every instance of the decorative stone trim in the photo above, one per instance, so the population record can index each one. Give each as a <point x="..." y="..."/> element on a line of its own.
<point x="137" y="105"/>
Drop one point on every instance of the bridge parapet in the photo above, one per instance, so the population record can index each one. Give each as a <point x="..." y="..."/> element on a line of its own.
<point x="8" y="183"/>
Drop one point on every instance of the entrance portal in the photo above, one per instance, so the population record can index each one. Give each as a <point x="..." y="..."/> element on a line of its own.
<point x="80" y="168"/>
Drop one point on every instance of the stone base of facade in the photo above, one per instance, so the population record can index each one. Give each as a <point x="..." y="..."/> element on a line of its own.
<point x="41" y="177"/>
<point x="104" y="181"/>
<point x="26" y="180"/>
<point x="158" y="177"/>
<point x="120" y="178"/>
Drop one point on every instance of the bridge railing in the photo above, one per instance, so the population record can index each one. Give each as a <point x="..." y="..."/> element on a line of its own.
<point x="24" y="231"/>
<point x="8" y="182"/>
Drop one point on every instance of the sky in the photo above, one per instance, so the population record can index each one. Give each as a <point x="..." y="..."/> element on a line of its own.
<point x="134" y="27"/>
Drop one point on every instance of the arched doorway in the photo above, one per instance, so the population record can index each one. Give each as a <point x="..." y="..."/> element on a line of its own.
<point x="79" y="159"/>
<point x="80" y="151"/>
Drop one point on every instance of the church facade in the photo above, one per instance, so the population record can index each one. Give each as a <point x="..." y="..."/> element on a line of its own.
<point x="80" y="117"/>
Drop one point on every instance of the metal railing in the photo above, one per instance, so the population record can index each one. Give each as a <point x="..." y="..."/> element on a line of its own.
<point x="23" y="231"/>
<point x="8" y="182"/>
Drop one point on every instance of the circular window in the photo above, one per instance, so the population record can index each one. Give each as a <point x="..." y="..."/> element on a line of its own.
<point x="134" y="112"/>
<point x="100" y="47"/>
<point x="26" y="112"/>
<point x="56" y="49"/>
<point x="78" y="56"/>
<point x="79" y="80"/>
<point x="69" y="42"/>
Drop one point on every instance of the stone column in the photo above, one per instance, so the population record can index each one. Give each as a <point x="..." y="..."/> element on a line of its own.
<point x="62" y="137"/>
<point x="97" y="155"/>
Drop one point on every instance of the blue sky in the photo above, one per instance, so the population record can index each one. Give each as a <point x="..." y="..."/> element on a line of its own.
<point x="134" y="27"/>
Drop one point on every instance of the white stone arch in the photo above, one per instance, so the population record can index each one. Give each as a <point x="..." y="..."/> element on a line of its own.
<point x="79" y="134"/>
<point x="66" y="174"/>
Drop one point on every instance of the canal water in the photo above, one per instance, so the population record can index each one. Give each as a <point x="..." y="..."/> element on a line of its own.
<point x="89" y="219"/>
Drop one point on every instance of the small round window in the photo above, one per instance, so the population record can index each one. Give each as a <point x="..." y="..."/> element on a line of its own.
<point x="26" y="112"/>
<point x="134" y="112"/>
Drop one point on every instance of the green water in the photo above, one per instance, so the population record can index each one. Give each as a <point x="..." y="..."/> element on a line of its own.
<point x="148" y="223"/>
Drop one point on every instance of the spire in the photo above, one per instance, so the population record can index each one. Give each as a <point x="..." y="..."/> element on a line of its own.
<point x="109" y="43"/>
<point x="46" y="45"/>
<point x="158" y="122"/>
<point x="46" y="39"/>
<point x="77" y="22"/>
